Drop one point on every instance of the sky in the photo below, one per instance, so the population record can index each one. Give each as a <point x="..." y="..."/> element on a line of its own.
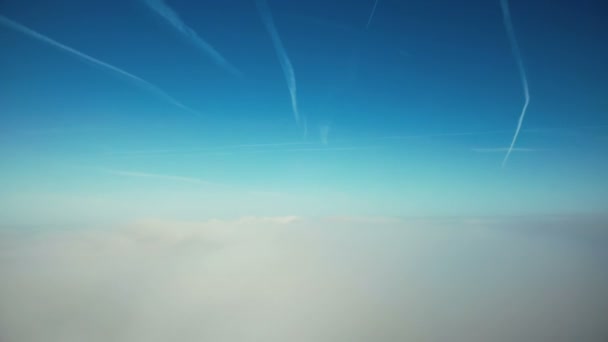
<point x="300" y="108"/>
<point x="320" y="170"/>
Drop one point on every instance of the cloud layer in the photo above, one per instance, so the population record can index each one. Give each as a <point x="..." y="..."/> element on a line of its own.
<point x="290" y="279"/>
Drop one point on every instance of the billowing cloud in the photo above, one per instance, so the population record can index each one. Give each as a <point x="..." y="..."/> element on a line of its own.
<point x="294" y="279"/>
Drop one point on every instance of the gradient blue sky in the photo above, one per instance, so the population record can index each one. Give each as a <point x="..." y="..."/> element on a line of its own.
<point x="418" y="111"/>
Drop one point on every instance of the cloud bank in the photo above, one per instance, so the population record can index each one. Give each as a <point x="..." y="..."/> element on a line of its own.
<point x="292" y="279"/>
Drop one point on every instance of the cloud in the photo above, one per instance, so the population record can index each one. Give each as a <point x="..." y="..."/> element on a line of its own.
<point x="295" y="279"/>
<point x="274" y="220"/>
<point x="167" y="13"/>
<point x="365" y="219"/>
<point x="137" y="80"/>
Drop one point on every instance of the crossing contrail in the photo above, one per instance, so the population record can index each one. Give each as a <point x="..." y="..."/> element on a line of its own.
<point x="139" y="81"/>
<point x="166" y="12"/>
<point x="288" y="72"/>
<point x="504" y="4"/>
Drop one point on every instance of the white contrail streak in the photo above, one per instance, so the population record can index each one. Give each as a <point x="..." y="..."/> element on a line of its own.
<point x="288" y="72"/>
<point x="167" y="13"/>
<point x="371" y="16"/>
<point x="504" y="4"/>
<point x="139" y="81"/>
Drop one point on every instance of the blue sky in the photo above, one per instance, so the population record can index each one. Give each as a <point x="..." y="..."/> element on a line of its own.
<point x="409" y="117"/>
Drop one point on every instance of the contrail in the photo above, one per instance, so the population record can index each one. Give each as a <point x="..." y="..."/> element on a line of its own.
<point x="232" y="150"/>
<point x="327" y="149"/>
<point x="288" y="72"/>
<point x="371" y="16"/>
<point x="139" y="81"/>
<point x="352" y="67"/>
<point x="166" y="12"/>
<point x="187" y="180"/>
<point x="504" y="4"/>
<point x="138" y="174"/>
<point x="438" y="135"/>
<point x="226" y="148"/>
<point x="504" y="149"/>
<point x="324" y="133"/>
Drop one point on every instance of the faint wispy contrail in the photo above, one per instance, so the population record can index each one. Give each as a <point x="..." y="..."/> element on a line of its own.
<point x="504" y="4"/>
<point x="166" y="12"/>
<point x="139" y="81"/>
<point x="288" y="72"/>
<point x="438" y="135"/>
<point x="328" y="149"/>
<point x="505" y="149"/>
<point x="139" y="174"/>
<point x="547" y="130"/>
<point x="313" y="149"/>
<point x="226" y="148"/>
<point x="371" y="16"/>
<point x="324" y="133"/>
<point x="188" y="180"/>
<point x="352" y="65"/>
